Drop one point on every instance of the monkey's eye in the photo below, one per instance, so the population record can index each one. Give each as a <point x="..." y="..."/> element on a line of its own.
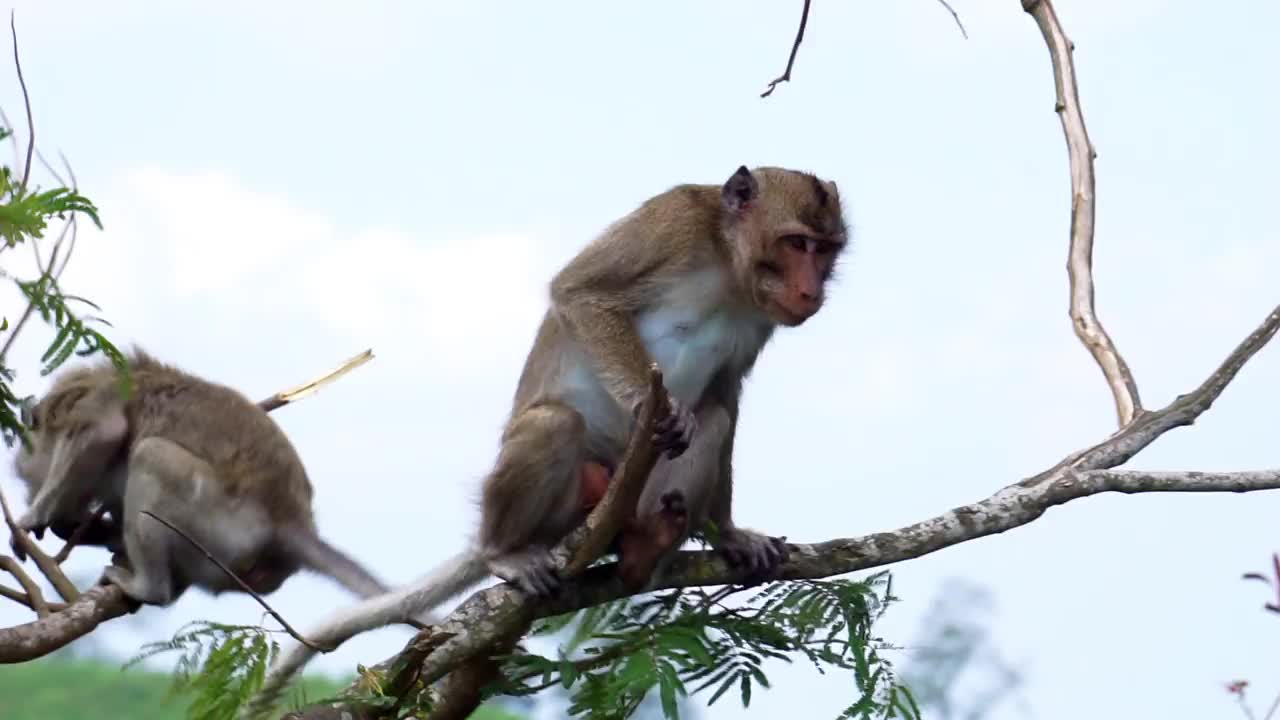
<point x="797" y="242"/>
<point x="769" y="267"/>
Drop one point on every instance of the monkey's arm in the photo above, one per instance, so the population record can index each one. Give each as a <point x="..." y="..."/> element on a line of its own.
<point x="77" y="461"/>
<point x="597" y="295"/>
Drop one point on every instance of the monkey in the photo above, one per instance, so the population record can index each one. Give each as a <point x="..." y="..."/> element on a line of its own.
<point x="697" y="279"/>
<point x="196" y="453"/>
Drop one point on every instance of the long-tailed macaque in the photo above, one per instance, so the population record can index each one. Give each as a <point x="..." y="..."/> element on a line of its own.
<point x="197" y="454"/>
<point x="696" y="279"/>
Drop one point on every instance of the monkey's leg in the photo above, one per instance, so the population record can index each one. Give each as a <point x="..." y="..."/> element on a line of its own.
<point x="676" y="497"/>
<point x="164" y="478"/>
<point x="531" y="499"/>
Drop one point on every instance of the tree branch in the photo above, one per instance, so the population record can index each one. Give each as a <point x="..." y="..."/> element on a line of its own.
<point x="1080" y="152"/>
<point x="491" y="614"/>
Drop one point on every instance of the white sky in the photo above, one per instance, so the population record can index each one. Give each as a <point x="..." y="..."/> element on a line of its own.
<point x="285" y="184"/>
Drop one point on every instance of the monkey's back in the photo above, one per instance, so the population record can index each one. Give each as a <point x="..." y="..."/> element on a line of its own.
<point x="250" y="453"/>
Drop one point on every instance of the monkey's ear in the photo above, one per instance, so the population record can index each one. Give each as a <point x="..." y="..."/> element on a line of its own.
<point x="739" y="190"/>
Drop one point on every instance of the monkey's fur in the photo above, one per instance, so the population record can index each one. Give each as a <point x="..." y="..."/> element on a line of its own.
<point x="696" y="279"/>
<point x="198" y="454"/>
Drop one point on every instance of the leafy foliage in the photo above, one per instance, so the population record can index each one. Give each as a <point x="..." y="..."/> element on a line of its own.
<point x="222" y="665"/>
<point x="619" y="652"/>
<point x="25" y="214"/>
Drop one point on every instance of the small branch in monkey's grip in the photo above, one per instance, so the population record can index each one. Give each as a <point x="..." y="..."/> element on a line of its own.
<point x="462" y="690"/>
<point x="243" y="585"/>
<point x="619" y="502"/>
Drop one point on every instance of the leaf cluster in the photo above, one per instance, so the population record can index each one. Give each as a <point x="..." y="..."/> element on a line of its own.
<point x="25" y="214"/>
<point x="619" y="652"/>
<point x="219" y="666"/>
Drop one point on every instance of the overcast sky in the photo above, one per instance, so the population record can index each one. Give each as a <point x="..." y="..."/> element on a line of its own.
<point x="286" y="184"/>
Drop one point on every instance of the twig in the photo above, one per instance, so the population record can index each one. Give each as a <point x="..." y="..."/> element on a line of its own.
<point x="243" y="585"/>
<point x="293" y="394"/>
<point x="48" y="567"/>
<point x="956" y="17"/>
<point x="23" y="599"/>
<point x="35" y="598"/>
<point x="26" y="100"/>
<point x="76" y="536"/>
<point x="791" y="60"/>
<point x="1080" y="152"/>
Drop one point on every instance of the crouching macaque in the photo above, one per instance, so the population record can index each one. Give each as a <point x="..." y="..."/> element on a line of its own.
<point x="197" y="454"/>
<point x="696" y="279"/>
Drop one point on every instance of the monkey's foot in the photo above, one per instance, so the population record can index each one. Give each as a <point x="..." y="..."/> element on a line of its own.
<point x="755" y="552"/>
<point x="136" y="587"/>
<point x="532" y="570"/>
<point x="644" y="541"/>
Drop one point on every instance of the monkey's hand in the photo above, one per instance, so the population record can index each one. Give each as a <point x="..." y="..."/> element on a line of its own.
<point x="674" y="432"/>
<point x="759" y="554"/>
<point x="26" y="523"/>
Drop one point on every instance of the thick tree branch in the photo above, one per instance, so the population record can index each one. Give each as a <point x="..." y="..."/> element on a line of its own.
<point x="1084" y="317"/>
<point x="492" y="614"/>
<point x="84" y="612"/>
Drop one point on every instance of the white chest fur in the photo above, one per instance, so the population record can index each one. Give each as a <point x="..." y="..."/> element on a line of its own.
<point x="693" y="332"/>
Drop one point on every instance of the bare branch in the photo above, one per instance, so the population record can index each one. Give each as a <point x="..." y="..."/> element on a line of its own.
<point x="47" y="565"/>
<point x="491" y="614"/>
<point x="26" y="100"/>
<point x="41" y="637"/>
<point x="35" y="598"/>
<point x="791" y="60"/>
<point x="1080" y="153"/>
<point x="23" y="599"/>
<point x="955" y="16"/>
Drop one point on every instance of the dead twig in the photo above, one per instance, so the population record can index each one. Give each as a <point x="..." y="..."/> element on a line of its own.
<point x="293" y="394"/>
<point x="1080" y="152"/>
<point x="26" y="100"/>
<point x="243" y="585"/>
<point x="791" y="59"/>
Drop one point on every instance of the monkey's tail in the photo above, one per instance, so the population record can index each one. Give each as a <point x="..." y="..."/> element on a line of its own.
<point x="415" y="601"/>
<point x="322" y="557"/>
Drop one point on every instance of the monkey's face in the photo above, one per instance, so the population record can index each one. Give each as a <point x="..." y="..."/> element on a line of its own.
<point x="31" y="464"/>
<point x="788" y="230"/>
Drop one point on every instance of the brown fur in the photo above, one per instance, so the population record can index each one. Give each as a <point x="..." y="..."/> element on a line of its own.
<point x="243" y="444"/>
